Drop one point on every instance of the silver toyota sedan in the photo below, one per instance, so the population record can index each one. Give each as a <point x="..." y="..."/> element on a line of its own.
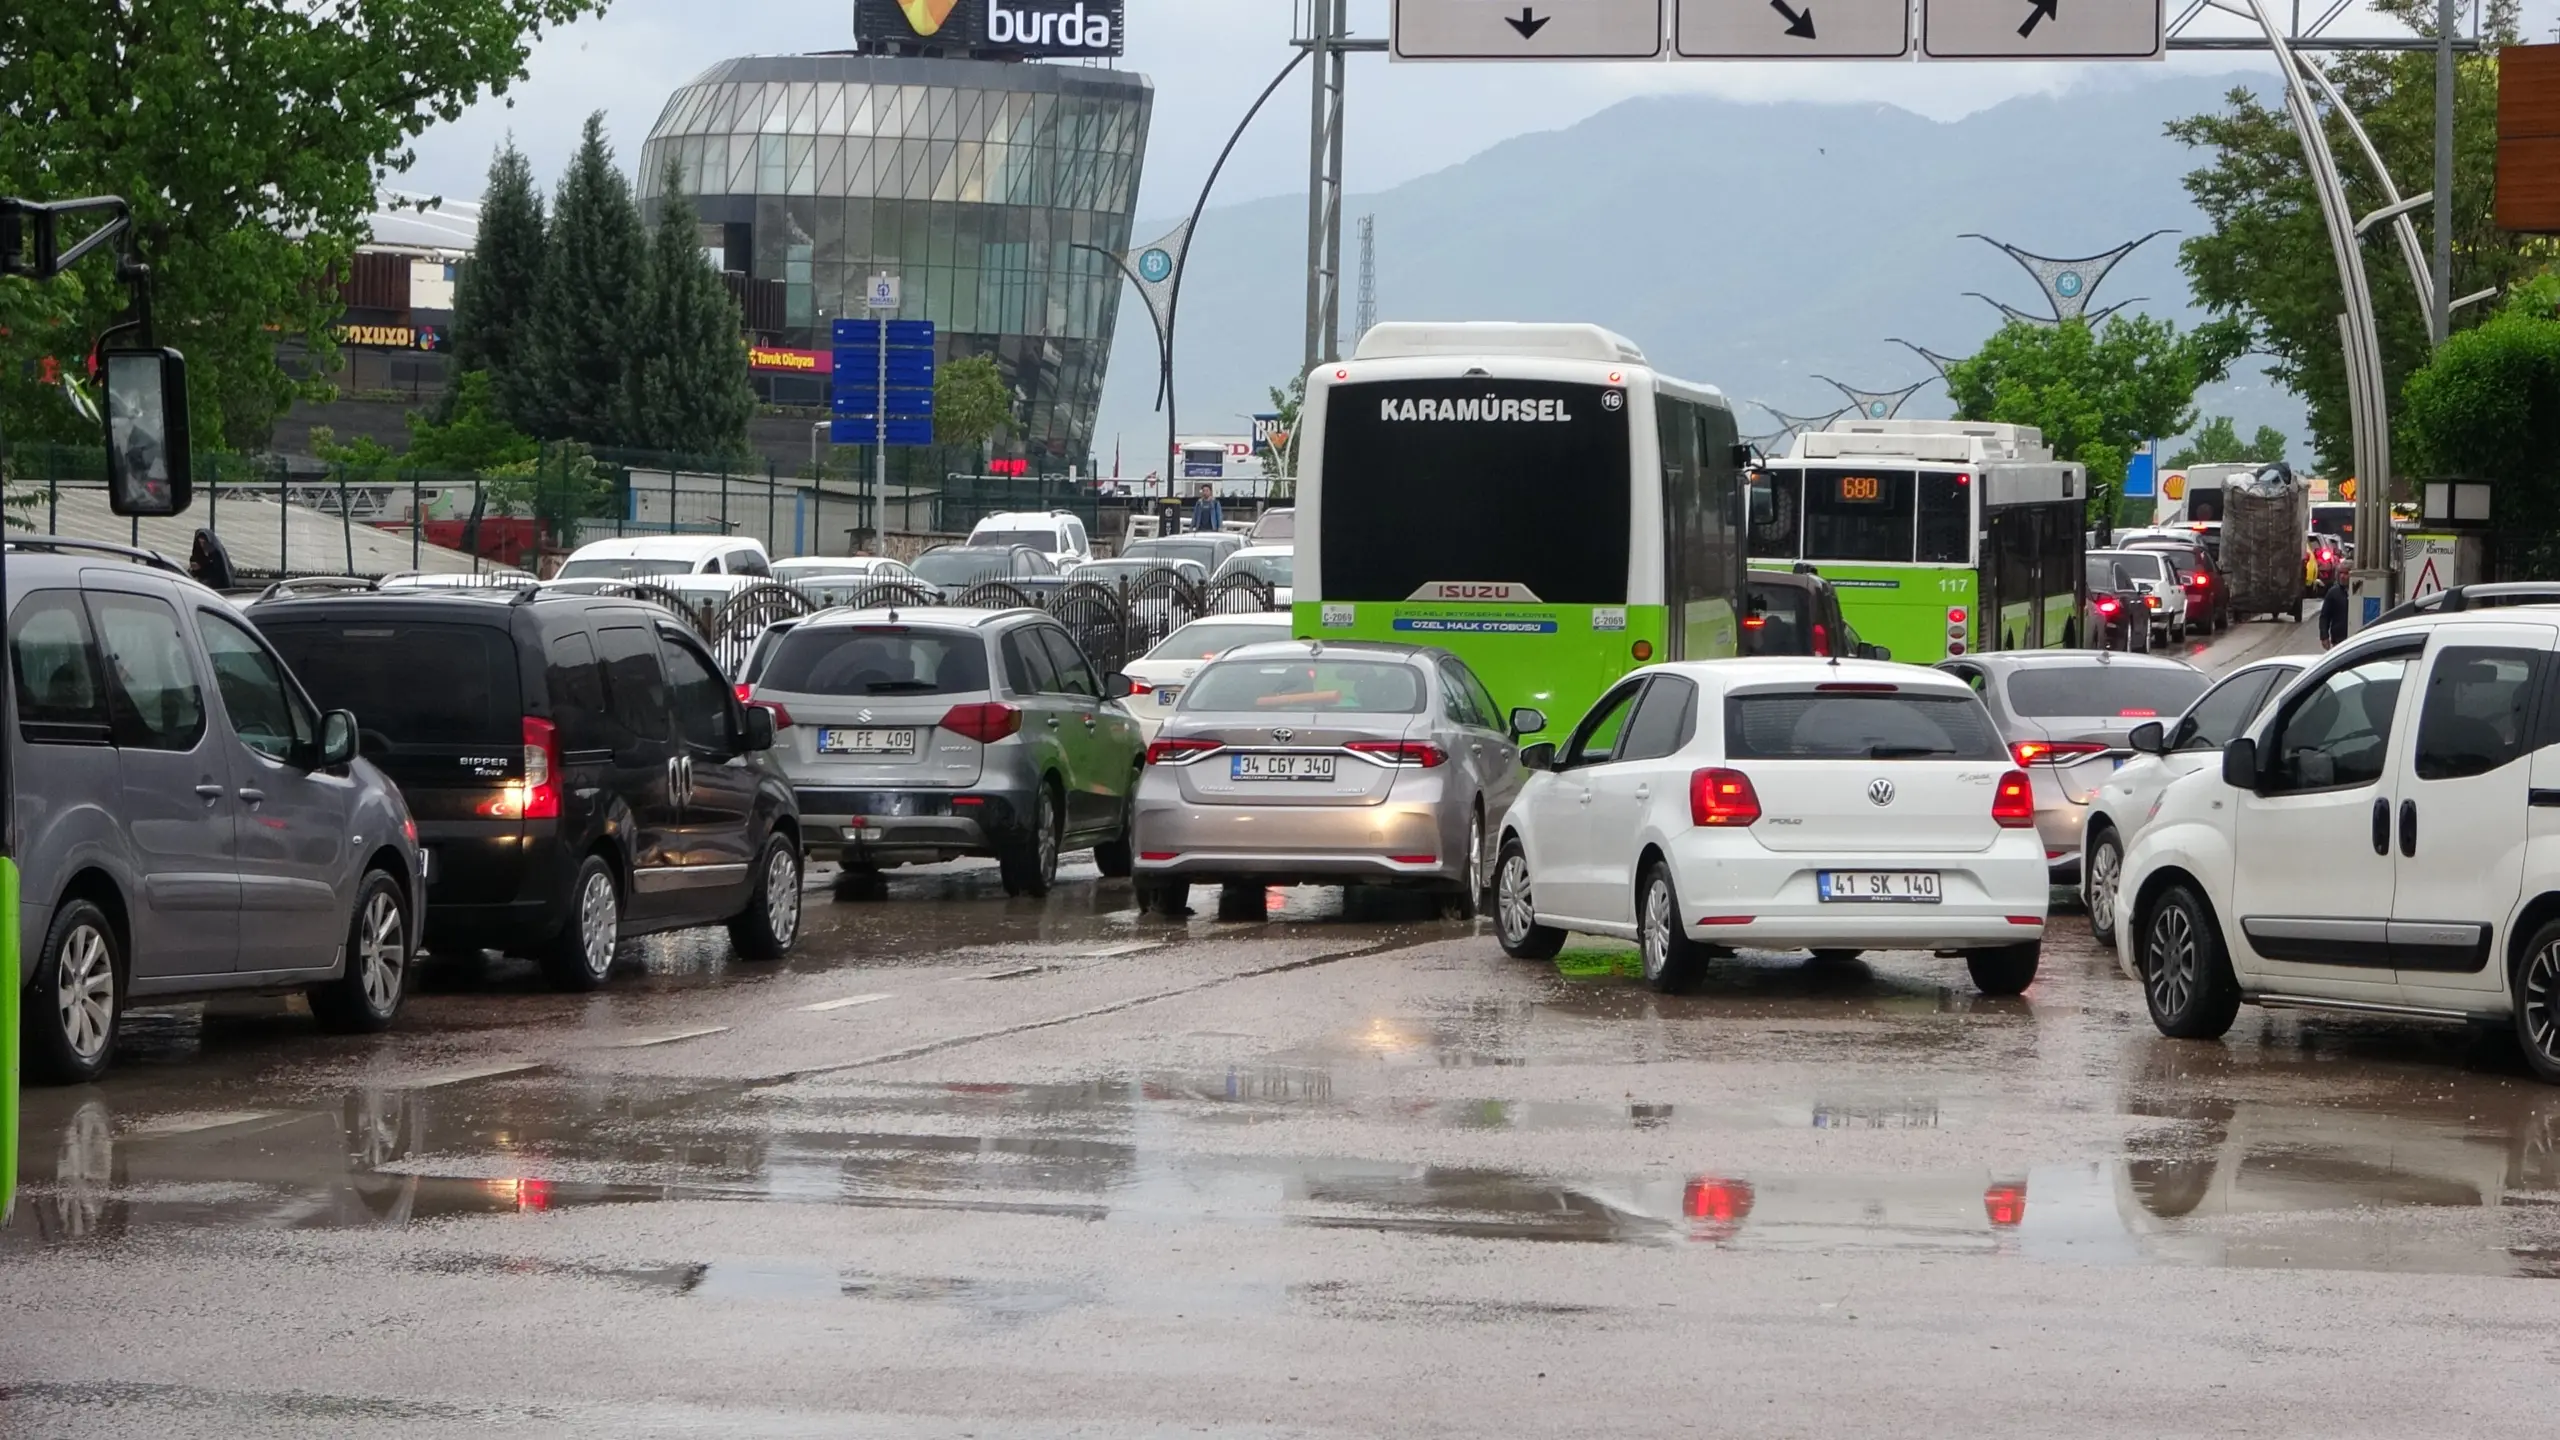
<point x="1296" y="762"/>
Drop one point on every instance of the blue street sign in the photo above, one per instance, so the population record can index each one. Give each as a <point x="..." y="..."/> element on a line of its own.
<point x="907" y="368"/>
<point x="901" y="432"/>
<point x="903" y="404"/>
<point x="903" y="334"/>
<point x="2138" y="476"/>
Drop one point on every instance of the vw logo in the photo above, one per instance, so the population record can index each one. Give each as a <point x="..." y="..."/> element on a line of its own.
<point x="863" y="715"/>
<point x="1283" y="736"/>
<point x="1880" y="791"/>
<point x="2067" y="284"/>
<point x="1155" y="266"/>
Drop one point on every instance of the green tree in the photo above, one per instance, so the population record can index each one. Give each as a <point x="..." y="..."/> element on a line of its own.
<point x="2218" y="439"/>
<point x="1286" y="400"/>
<point x="562" y="487"/>
<point x="971" y="403"/>
<point x="2487" y="407"/>
<point x="2267" y="262"/>
<point x="686" y="388"/>
<point x="473" y="437"/>
<point x="571" y="384"/>
<point x="250" y="137"/>
<point x="502" y="280"/>
<point x="2096" y="393"/>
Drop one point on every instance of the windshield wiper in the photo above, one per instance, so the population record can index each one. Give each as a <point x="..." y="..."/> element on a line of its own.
<point x="1905" y="752"/>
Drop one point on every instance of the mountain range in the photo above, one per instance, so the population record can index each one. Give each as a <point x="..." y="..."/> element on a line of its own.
<point x="1751" y="246"/>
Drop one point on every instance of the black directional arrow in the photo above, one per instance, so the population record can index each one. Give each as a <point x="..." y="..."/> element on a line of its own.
<point x="2044" y="10"/>
<point x="1529" y="23"/>
<point x="1801" y="26"/>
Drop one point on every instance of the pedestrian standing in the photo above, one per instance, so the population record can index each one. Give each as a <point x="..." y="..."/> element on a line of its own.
<point x="1206" y="514"/>
<point x="2333" y="614"/>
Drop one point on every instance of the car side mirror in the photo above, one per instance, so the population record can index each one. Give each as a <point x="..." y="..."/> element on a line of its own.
<point x="1118" y="686"/>
<point x="1764" y="505"/>
<point x="337" y="739"/>
<point x="1541" y="756"/>
<point x="760" y="732"/>
<point x="147" y="443"/>
<point x="2149" y="738"/>
<point x="2240" y="764"/>
<point x="1874" y="652"/>
<point x="1528" y="721"/>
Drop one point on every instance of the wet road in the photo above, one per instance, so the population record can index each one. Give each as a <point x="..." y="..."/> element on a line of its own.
<point x="971" y="1166"/>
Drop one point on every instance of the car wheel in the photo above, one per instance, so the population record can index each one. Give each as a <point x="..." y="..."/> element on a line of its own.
<point x="2186" y="975"/>
<point x="366" y="995"/>
<point x="1117" y="856"/>
<point x="2098" y="876"/>
<point x="1029" y="864"/>
<point x="1672" y="961"/>
<point x="2008" y="970"/>
<point x="1468" y="902"/>
<point x="2538" y="1002"/>
<point x="583" y="955"/>
<point x="1164" y="897"/>
<point x="1515" y="920"/>
<point x="771" y="921"/>
<point x="75" y="1007"/>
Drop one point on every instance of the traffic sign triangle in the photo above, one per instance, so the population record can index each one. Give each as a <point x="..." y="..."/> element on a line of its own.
<point x="2427" y="582"/>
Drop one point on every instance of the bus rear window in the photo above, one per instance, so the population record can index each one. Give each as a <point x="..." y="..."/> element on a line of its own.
<point x="1858" y="514"/>
<point x="1525" y="482"/>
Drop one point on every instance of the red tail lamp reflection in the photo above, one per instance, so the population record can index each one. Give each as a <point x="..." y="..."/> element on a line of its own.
<point x="1718" y="1206"/>
<point x="2006" y="1203"/>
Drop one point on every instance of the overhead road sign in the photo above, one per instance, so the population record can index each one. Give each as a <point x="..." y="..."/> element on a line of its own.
<point x="1791" y="29"/>
<point x="903" y="334"/>
<point x="1526" y="30"/>
<point x="2043" y="29"/>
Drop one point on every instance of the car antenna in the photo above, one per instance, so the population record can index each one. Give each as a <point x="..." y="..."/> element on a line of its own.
<point x="893" y="614"/>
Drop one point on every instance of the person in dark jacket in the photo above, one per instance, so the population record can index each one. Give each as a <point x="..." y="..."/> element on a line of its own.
<point x="2333" y="614"/>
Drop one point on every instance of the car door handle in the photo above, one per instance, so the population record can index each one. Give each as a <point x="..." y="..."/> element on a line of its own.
<point x="2381" y="827"/>
<point x="254" y="797"/>
<point x="212" y="793"/>
<point x="2408" y="827"/>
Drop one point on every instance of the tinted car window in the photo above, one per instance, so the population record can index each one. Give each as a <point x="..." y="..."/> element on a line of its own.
<point x="2476" y="711"/>
<point x="963" y="567"/>
<point x="61" y="699"/>
<point x="748" y="562"/>
<point x="1075" y="677"/>
<point x="1662" y="720"/>
<point x="1456" y="701"/>
<point x="576" y="683"/>
<point x="1780" y="622"/>
<point x="1026" y="664"/>
<point x="154" y="699"/>
<point x="1036" y="539"/>
<point x="1814" y="725"/>
<point x="701" y="701"/>
<point x="635" y="686"/>
<point x="412" y="684"/>
<point x="265" y="713"/>
<point x="2224" y="711"/>
<point x="2099" y="689"/>
<point x="623" y="567"/>
<point x="1368" y="686"/>
<point x="877" y="660"/>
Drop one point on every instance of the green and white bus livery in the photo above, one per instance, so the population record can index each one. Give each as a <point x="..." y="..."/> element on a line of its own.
<point x="1941" y="536"/>
<point x="1534" y="498"/>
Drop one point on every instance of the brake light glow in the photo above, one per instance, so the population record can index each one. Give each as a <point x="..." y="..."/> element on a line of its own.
<point x="1955" y="614"/>
<point x="1726" y="1202"/>
<point x="2052" y="752"/>
<point x="1755" y="622"/>
<point x="2005" y="1204"/>
<point x="1722" y="798"/>
<point x="1179" y="752"/>
<point x="2144" y="713"/>
<point x="2013" y="803"/>
<point x="2107" y="605"/>
<point x="1140" y="687"/>
<point x="986" y="722"/>
<point x="537" y="795"/>
<point x="1413" y="754"/>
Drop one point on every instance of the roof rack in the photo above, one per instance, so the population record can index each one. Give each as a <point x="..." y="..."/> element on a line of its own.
<point x="152" y="558"/>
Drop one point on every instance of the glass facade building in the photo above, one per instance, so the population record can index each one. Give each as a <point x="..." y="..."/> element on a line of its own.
<point x="972" y="180"/>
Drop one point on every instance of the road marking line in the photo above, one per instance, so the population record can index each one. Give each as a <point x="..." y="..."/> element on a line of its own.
<point x="846" y="1003"/>
<point x="1113" y="951"/>
<point x="643" y="1044"/>
<point x="433" y="1079"/>
<point x="190" y="1122"/>
<point x="1014" y="974"/>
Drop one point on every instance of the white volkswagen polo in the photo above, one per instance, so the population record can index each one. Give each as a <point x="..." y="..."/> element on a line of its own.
<point x="1781" y="804"/>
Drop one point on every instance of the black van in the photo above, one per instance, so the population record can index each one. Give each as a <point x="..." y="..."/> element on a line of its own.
<point x="1797" y="612"/>
<point x="579" y="770"/>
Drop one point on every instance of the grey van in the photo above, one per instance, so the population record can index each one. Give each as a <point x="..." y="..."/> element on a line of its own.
<point x="188" y="821"/>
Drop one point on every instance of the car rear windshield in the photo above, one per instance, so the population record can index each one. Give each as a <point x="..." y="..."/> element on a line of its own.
<point x="964" y="567"/>
<point x="1277" y="525"/>
<point x="410" y="683"/>
<point x="622" y="567"/>
<point x="1275" y="569"/>
<point x="1036" y="539"/>
<point x="1375" y="687"/>
<point x="2140" y="564"/>
<point x="1204" y="553"/>
<point x="877" y="660"/>
<point x="1209" y="639"/>
<point x="2095" y="689"/>
<point x="1780" y="622"/>
<point x="1830" y="725"/>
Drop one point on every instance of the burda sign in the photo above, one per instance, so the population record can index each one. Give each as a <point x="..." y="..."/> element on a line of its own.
<point x="1028" y="28"/>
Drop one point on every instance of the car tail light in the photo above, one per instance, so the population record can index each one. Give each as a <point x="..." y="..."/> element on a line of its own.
<point x="2151" y="601"/>
<point x="1722" y="798"/>
<point x="986" y="722"/>
<point x="537" y="795"/>
<point x="1726" y="1202"/>
<point x="1179" y="752"/>
<point x="2013" y="804"/>
<point x="1412" y="753"/>
<point x="1755" y="622"/>
<point x="746" y="693"/>
<point x="2107" y="605"/>
<point x="1140" y="687"/>
<point x="1821" y="638"/>
<point x="2052" y="752"/>
<point x="2005" y="1204"/>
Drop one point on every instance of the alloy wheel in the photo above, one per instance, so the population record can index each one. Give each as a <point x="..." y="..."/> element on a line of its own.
<point x="599" y="923"/>
<point x="382" y="952"/>
<point x="85" y="990"/>
<point x="2106" y="864"/>
<point x="2540" y="999"/>
<point x="1511" y="898"/>
<point x="782" y="894"/>
<point x="2169" y="961"/>
<point x="1475" y="856"/>
<point x="1046" y="815"/>
<point x="1656" y="930"/>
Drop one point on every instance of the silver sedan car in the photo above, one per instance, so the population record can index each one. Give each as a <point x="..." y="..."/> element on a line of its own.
<point x="2067" y="717"/>
<point x="1311" y="762"/>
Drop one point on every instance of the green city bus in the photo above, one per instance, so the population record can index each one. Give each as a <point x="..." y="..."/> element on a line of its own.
<point x="1941" y="536"/>
<point x="1533" y="498"/>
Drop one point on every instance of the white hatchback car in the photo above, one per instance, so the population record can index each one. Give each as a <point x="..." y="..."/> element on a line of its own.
<point x="1835" y="806"/>
<point x="2162" y="754"/>
<point x="2384" y="839"/>
<point x="1157" y="677"/>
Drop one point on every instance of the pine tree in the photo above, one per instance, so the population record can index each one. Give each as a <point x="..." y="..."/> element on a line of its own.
<point x="593" y="273"/>
<point x="687" y="388"/>
<point x="494" y="296"/>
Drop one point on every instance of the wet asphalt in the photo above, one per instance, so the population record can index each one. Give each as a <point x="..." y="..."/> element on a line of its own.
<point x="967" y="1165"/>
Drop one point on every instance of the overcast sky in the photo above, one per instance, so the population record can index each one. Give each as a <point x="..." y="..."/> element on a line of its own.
<point x="1208" y="59"/>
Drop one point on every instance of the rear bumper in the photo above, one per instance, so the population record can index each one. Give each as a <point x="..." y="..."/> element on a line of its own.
<point x="904" y="827"/>
<point x="494" y="884"/>
<point x="1281" y="844"/>
<point x="1773" y="900"/>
